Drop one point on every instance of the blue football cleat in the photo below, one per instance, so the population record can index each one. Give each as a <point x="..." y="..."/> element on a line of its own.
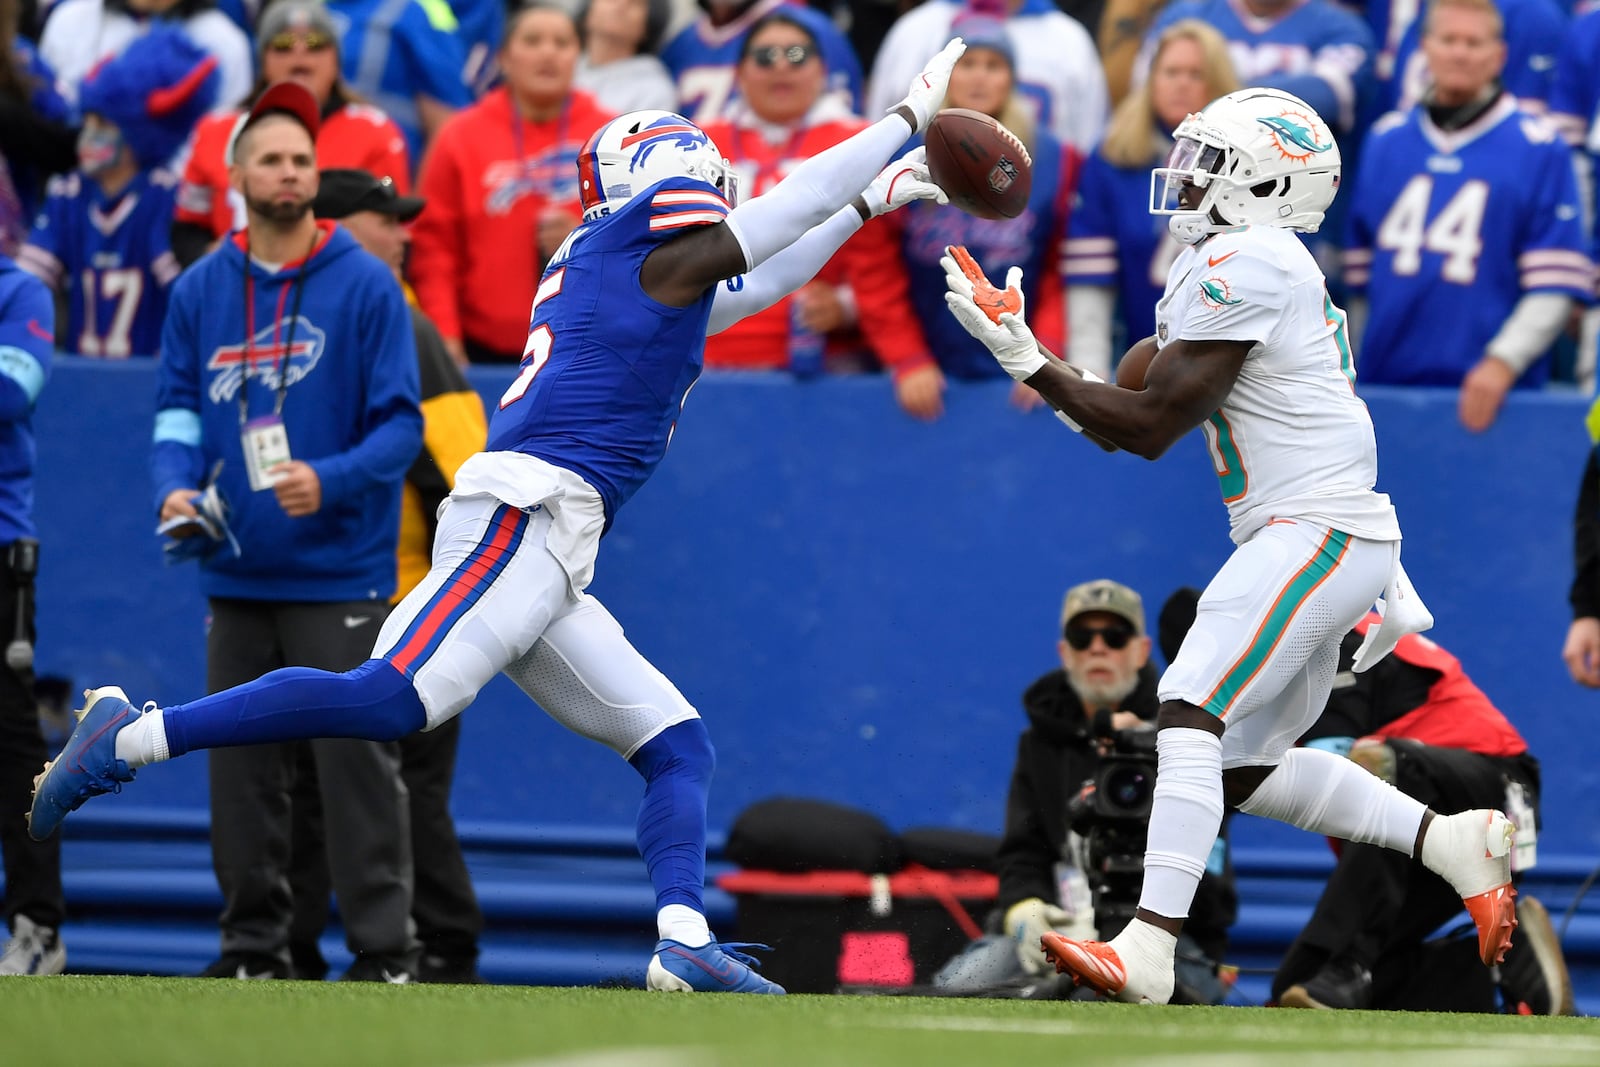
<point x="88" y="764"/>
<point x="713" y="968"/>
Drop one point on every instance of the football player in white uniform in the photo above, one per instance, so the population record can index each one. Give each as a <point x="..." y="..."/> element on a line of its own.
<point x="1253" y="352"/>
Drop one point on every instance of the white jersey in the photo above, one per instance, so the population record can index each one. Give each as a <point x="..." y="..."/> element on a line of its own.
<point x="1292" y="439"/>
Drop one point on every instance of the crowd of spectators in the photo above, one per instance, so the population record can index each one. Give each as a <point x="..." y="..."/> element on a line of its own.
<point x="482" y="105"/>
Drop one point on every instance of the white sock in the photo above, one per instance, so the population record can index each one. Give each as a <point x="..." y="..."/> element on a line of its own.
<point x="1185" y="816"/>
<point x="144" y="740"/>
<point x="1327" y="794"/>
<point x="680" y="923"/>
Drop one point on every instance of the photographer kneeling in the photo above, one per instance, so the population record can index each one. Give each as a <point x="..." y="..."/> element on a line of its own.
<point x="1071" y="858"/>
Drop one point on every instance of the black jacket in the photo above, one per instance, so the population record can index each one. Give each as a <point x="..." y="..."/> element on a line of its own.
<point x="1056" y="755"/>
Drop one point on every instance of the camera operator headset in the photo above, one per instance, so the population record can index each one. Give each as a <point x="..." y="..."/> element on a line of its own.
<point x="1104" y="671"/>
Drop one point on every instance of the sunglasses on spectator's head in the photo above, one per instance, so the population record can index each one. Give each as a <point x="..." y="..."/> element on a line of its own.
<point x="1116" y="637"/>
<point x="285" y="41"/>
<point x="767" y="55"/>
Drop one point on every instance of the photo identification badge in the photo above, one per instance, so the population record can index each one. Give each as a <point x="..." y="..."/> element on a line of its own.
<point x="266" y="444"/>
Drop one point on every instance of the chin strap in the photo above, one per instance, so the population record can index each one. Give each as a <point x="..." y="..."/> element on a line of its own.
<point x="1190" y="228"/>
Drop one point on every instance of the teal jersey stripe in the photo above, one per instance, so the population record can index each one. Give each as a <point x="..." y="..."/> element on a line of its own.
<point x="1305" y="582"/>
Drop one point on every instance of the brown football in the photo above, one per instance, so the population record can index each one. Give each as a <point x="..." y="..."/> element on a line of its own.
<point x="1135" y="363"/>
<point x="979" y="164"/>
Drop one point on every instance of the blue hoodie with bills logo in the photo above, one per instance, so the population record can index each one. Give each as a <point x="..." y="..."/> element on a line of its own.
<point x="332" y="335"/>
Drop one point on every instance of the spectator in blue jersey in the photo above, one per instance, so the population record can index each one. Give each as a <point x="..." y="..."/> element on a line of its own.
<point x="104" y="235"/>
<point x="1575" y="109"/>
<point x="481" y="26"/>
<point x="1116" y="255"/>
<point x="1465" y="236"/>
<point x="1057" y="66"/>
<point x="619" y="66"/>
<point x="1534" y="32"/>
<point x="1319" y="51"/>
<point x="33" y="901"/>
<point x="985" y="81"/>
<point x="80" y="33"/>
<point x="614" y="347"/>
<point x="288" y="383"/>
<point x="407" y="58"/>
<point x="703" y="58"/>
<point x="38" y="136"/>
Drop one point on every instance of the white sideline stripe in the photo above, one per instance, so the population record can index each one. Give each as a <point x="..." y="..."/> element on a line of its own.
<point x="616" y="1057"/>
<point x="1582" y="1049"/>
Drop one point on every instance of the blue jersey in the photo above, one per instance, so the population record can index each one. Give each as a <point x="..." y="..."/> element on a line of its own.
<point x="112" y="256"/>
<point x="393" y="51"/>
<point x="1029" y="241"/>
<point x="1320" y="52"/>
<point x="1447" y="231"/>
<point x="1534" y="30"/>
<point x="606" y="368"/>
<point x="1114" y="241"/>
<point x="703" y="60"/>
<point x="1575" y="98"/>
<point x="27" y="318"/>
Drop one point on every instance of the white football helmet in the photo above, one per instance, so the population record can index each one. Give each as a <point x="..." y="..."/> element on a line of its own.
<point x="1258" y="157"/>
<point x="629" y="154"/>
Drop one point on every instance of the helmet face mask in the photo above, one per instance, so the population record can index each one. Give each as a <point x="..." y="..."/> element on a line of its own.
<point x="1262" y="157"/>
<point x="629" y="154"/>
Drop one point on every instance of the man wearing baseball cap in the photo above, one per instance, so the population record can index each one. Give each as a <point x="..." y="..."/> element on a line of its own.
<point x="1105" y="685"/>
<point x="288" y="381"/>
<point x="296" y="42"/>
<point x="444" y="905"/>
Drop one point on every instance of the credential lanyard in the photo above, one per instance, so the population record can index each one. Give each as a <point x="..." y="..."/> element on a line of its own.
<point x="282" y="361"/>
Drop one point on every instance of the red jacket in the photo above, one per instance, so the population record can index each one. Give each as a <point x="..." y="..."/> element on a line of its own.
<point x="358" y="136"/>
<point x="1456" y="714"/>
<point x="487" y="178"/>
<point x="869" y="263"/>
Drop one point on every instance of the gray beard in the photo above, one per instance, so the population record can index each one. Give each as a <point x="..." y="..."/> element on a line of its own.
<point x="1110" y="695"/>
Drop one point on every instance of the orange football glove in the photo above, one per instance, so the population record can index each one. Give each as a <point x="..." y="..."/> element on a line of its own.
<point x="993" y="302"/>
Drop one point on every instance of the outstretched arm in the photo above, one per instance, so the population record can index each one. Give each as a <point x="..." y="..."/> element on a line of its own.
<point x="896" y="185"/>
<point x="679" y="272"/>
<point x="1181" y="389"/>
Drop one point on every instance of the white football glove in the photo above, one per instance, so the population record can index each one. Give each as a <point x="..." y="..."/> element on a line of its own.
<point x="928" y="88"/>
<point x="1026" y="922"/>
<point x="902" y="181"/>
<point x="1009" y="340"/>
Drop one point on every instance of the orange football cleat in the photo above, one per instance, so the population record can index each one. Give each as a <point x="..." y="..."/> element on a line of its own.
<point x="1495" y="914"/>
<point x="993" y="302"/>
<point x="1091" y="963"/>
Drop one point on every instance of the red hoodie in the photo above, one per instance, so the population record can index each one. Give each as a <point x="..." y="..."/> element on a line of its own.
<point x="487" y="178"/>
<point x="869" y="262"/>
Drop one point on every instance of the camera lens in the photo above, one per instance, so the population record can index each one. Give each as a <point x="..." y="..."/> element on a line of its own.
<point x="1128" y="789"/>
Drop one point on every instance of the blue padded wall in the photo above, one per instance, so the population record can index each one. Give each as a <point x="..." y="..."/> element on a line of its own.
<point x="854" y="600"/>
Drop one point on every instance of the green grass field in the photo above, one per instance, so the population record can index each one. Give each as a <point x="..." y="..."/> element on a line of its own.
<point x="172" y="1022"/>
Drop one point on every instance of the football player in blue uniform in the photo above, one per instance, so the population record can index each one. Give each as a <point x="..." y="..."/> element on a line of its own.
<point x="617" y="339"/>
<point x="103" y="232"/>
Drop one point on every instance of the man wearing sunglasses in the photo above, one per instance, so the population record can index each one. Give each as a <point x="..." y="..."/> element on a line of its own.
<point x="1105" y="683"/>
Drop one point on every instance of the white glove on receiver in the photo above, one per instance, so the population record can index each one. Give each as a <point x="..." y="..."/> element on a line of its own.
<point x="1009" y="340"/>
